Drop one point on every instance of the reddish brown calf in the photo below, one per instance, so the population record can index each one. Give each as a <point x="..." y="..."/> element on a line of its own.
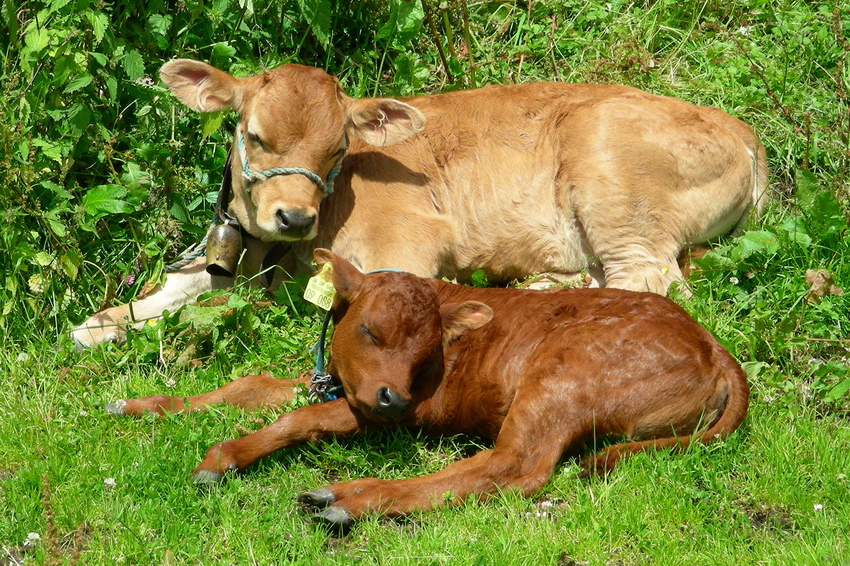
<point x="539" y="373"/>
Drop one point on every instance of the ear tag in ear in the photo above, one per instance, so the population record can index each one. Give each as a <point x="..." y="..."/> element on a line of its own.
<point x="320" y="290"/>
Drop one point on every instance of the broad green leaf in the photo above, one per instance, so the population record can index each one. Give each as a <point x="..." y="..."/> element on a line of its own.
<point x="318" y="15"/>
<point x="838" y="391"/>
<point x="807" y="188"/>
<point x="223" y="50"/>
<point x="752" y="242"/>
<point x="247" y="5"/>
<point x="70" y="262"/>
<point x="56" y="5"/>
<point x="99" y="23"/>
<point x="55" y="150"/>
<point x="44" y="259"/>
<point x="101" y="59"/>
<point x="796" y="230"/>
<point x="112" y="88"/>
<point x="106" y="199"/>
<point x="713" y="261"/>
<point x="160" y="23"/>
<point x="81" y="81"/>
<point x="133" y="64"/>
<point x="211" y="122"/>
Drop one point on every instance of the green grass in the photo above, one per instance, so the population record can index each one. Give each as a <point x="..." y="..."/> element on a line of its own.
<point x="775" y="492"/>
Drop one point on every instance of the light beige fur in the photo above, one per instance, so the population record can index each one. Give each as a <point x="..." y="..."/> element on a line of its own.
<point x="514" y="180"/>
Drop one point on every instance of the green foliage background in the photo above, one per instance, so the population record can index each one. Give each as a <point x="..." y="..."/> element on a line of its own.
<point x="105" y="177"/>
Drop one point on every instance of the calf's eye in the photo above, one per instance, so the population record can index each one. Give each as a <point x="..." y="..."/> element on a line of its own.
<point x="365" y="331"/>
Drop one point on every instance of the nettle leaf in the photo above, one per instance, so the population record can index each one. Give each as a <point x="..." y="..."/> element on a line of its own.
<point x="37" y="39"/>
<point x="796" y="231"/>
<point x="713" y="261"/>
<point x="752" y="242"/>
<point x="44" y="259"/>
<point x="247" y="5"/>
<point x="318" y="13"/>
<point x="828" y="214"/>
<point x="807" y="189"/>
<point x="70" y="262"/>
<point x="409" y="19"/>
<point x="99" y="23"/>
<point x="160" y="23"/>
<point x="133" y="64"/>
<point x="112" y="87"/>
<point x="107" y="199"/>
<point x="55" y="150"/>
<point x="211" y="122"/>
<point x="223" y="50"/>
<point x="81" y="81"/>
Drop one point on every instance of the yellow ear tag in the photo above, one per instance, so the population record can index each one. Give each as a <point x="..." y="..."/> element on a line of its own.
<point x="320" y="290"/>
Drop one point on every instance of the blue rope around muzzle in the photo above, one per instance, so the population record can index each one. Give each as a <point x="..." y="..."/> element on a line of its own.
<point x="251" y="175"/>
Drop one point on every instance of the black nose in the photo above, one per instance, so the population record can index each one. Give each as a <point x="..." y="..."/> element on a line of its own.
<point x="294" y="222"/>
<point x="389" y="403"/>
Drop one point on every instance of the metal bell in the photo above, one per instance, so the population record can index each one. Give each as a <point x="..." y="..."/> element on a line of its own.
<point x="224" y="246"/>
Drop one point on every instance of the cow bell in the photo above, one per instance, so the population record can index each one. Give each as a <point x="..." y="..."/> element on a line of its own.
<point x="224" y="246"/>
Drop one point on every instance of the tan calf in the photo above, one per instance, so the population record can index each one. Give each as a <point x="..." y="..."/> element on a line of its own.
<point x="514" y="180"/>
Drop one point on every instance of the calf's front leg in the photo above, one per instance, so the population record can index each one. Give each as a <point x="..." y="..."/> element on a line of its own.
<point x="307" y="424"/>
<point x="250" y="393"/>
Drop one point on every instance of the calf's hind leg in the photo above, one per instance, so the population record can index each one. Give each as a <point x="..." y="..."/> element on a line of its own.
<point x="250" y="393"/>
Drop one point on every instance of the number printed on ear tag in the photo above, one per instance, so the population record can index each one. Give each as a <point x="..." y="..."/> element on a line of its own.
<point x="320" y="290"/>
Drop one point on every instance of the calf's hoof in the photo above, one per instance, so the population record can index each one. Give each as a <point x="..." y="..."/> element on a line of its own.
<point x="320" y="498"/>
<point x="335" y="517"/>
<point x="209" y="477"/>
<point x="116" y="408"/>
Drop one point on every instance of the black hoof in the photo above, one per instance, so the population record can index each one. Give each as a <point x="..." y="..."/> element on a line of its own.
<point x="335" y="517"/>
<point x="320" y="498"/>
<point x="116" y="408"/>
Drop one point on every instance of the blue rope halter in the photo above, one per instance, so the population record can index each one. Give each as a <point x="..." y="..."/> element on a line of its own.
<point x="321" y="388"/>
<point x="251" y="176"/>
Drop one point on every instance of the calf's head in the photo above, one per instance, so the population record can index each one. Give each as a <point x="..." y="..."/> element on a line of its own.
<point x="389" y="333"/>
<point x="293" y="118"/>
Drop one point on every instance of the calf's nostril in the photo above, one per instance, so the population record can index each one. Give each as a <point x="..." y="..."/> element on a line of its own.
<point x="294" y="220"/>
<point x="384" y="398"/>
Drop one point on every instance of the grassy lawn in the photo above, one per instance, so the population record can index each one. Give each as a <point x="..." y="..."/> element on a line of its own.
<point x="80" y="486"/>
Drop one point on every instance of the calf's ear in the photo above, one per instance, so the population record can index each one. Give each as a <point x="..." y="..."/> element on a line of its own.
<point x="459" y="318"/>
<point x="346" y="278"/>
<point x="383" y="121"/>
<point x="200" y="86"/>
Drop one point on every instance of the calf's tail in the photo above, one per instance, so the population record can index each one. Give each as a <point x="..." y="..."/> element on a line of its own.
<point x="733" y="415"/>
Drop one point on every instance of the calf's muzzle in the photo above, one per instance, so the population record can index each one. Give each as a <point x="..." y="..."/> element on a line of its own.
<point x="294" y="224"/>
<point x="390" y="404"/>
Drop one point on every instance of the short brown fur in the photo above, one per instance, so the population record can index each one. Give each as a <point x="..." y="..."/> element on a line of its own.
<point x="539" y="374"/>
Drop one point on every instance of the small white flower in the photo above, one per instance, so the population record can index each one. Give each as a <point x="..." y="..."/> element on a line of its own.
<point x="22" y="357"/>
<point x="818" y="506"/>
<point x="744" y="30"/>
<point x="32" y="539"/>
<point x="83" y="414"/>
<point x="733" y="280"/>
<point x="170" y="382"/>
<point x="109" y="483"/>
<point x="135" y="464"/>
<point x="545" y="504"/>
